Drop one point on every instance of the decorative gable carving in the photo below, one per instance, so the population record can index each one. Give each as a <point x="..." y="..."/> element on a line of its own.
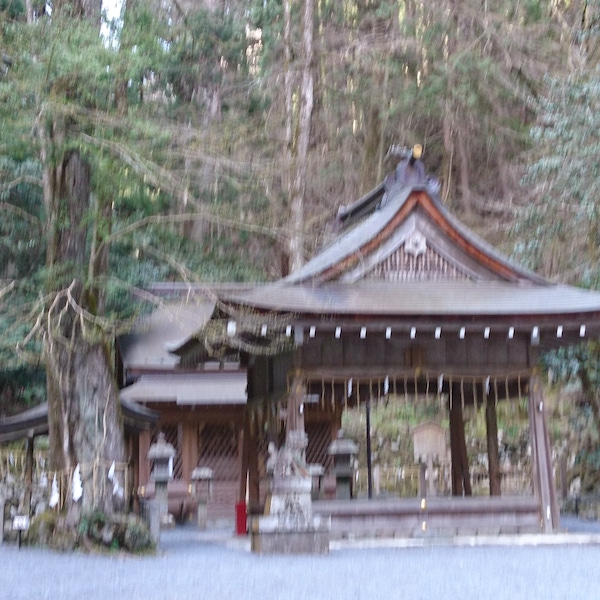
<point x="416" y="244"/>
<point x="415" y="261"/>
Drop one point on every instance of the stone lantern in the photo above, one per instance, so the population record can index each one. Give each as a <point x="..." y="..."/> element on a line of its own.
<point x="161" y="454"/>
<point x="343" y="452"/>
<point x="202" y="478"/>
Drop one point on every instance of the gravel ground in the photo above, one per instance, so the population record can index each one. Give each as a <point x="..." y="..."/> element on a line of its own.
<point x="216" y="565"/>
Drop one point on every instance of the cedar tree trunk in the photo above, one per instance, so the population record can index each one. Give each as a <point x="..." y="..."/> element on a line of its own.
<point x="84" y="417"/>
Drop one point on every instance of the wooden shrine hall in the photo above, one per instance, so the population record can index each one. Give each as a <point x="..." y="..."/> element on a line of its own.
<point x="407" y="300"/>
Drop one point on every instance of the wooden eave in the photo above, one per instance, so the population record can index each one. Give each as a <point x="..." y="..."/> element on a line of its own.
<point x="351" y="284"/>
<point x="34" y="422"/>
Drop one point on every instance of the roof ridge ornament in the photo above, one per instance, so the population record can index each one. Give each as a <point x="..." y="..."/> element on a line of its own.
<point x="411" y="170"/>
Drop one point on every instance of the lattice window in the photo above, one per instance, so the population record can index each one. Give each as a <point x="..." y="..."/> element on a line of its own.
<point x="172" y="437"/>
<point x="319" y="438"/>
<point x="218" y="449"/>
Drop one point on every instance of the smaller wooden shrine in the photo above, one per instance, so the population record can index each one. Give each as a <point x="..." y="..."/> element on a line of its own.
<point x="199" y="401"/>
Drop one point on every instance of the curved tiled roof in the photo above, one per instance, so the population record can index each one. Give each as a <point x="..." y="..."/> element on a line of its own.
<point x="392" y="212"/>
<point x="366" y="273"/>
<point x="35" y="421"/>
<point x="436" y="298"/>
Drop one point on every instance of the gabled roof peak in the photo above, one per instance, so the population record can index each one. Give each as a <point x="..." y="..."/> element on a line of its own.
<point x="403" y="232"/>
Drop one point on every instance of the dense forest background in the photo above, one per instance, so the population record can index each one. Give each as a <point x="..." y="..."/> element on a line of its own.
<point x="215" y="140"/>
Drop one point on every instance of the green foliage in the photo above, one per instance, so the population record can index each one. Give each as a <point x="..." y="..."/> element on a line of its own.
<point x="58" y="93"/>
<point x="43" y="527"/>
<point x="533" y="11"/>
<point x="126" y="532"/>
<point x="267" y="15"/>
<point x="21" y="242"/>
<point x="21" y="388"/>
<point x="12" y="9"/>
<point x="207" y="50"/>
<point x="393" y="421"/>
<point x="558" y="231"/>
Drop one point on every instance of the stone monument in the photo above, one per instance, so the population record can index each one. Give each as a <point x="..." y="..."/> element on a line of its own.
<point x="202" y="478"/>
<point x="289" y="525"/>
<point x="429" y="444"/>
<point x="343" y="451"/>
<point x="161" y="455"/>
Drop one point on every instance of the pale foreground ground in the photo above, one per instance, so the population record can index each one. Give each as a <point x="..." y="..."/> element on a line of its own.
<point x="217" y="565"/>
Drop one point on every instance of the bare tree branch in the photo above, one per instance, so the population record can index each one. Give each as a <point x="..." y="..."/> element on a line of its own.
<point x="22" y="213"/>
<point x="274" y="233"/>
<point x="19" y="180"/>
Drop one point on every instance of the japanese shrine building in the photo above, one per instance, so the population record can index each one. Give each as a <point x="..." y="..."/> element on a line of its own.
<point x="407" y="300"/>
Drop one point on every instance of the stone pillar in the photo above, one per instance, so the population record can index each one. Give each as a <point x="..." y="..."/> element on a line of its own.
<point x="161" y="454"/>
<point x="343" y="452"/>
<point x="295" y="406"/>
<point x="202" y="478"/>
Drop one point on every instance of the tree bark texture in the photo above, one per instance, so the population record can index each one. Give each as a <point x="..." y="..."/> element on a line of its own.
<point x="84" y="417"/>
<point x="296" y="245"/>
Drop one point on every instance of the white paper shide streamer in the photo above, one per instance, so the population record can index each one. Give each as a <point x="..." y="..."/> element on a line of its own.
<point x="77" y="484"/>
<point x="117" y="489"/>
<point x="54" y="495"/>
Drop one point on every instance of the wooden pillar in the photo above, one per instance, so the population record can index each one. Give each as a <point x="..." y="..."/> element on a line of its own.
<point x="543" y="480"/>
<point x="461" y="481"/>
<point x="189" y="449"/>
<point x="369" y="457"/>
<point x="491" y="423"/>
<point x="28" y="472"/>
<point x="253" y="474"/>
<point x="244" y="451"/>
<point x="133" y="472"/>
<point x="143" y="462"/>
<point x="249" y="485"/>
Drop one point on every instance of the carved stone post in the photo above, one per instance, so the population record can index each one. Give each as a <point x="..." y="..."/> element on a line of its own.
<point x="295" y="406"/>
<point x="161" y="454"/>
<point x="290" y="526"/>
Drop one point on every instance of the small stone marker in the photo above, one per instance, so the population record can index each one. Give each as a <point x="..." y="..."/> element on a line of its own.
<point x="429" y="443"/>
